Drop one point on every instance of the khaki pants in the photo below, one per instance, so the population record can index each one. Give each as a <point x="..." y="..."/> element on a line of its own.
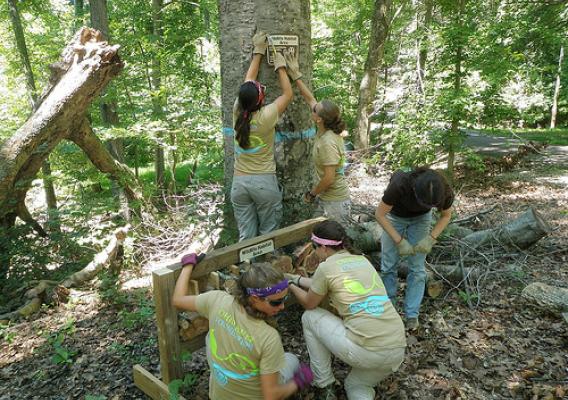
<point x="325" y="334"/>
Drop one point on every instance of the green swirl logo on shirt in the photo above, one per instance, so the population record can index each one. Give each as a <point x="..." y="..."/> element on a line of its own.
<point x="356" y="287"/>
<point x="256" y="144"/>
<point x="244" y="366"/>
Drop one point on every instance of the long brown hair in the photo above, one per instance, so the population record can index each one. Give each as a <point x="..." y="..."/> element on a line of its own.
<point x="250" y="100"/>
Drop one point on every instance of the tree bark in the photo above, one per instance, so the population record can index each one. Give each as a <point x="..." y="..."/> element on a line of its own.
<point x="554" y="110"/>
<point x="86" y="67"/>
<point x="368" y="86"/>
<point x="238" y="22"/>
<point x="522" y="232"/>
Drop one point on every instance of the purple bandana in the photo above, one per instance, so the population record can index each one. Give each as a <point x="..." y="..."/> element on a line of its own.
<point x="264" y="292"/>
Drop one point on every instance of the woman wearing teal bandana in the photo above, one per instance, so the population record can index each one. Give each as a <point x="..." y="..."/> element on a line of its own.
<point x="244" y="352"/>
<point x="368" y="334"/>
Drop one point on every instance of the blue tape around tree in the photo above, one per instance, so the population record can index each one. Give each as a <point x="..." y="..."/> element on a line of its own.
<point x="282" y="136"/>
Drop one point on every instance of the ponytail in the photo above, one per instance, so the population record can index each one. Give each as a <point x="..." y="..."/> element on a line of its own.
<point x="251" y="96"/>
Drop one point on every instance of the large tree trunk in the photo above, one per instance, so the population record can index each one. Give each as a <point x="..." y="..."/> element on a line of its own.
<point x="368" y="87"/>
<point x="554" y="110"/>
<point x="238" y="22"/>
<point x="50" y="197"/>
<point x="522" y="232"/>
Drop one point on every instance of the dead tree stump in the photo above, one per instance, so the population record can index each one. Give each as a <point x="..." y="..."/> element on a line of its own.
<point x="550" y="298"/>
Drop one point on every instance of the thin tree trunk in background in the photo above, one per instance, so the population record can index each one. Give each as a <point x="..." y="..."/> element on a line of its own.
<point x="157" y="96"/>
<point x="556" y="90"/>
<point x="454" y="128"/>
<point x="79" y="13"/>
<point x="368" y="86"/>
<point x="238" y="22"/>
<point x="422" y="47"/>
<point x="109" y="115"/>
<point x="50" y="198"/>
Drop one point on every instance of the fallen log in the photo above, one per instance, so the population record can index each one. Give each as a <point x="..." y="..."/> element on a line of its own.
<point x="553" y="299"/>
<point x="366" y="236"/>
<point x="52" y="292"/>
<point x="522" y="232"/>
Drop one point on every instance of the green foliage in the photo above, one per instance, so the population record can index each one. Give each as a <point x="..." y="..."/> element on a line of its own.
<point x="6" y="336"/>
<point x="467" y="298"/>
<point x="177" y="385"/>
<point x="61" y="353"/>
<point x="139" y="316"/>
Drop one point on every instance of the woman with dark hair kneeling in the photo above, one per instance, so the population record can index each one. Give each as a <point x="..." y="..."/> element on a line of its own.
<point x="368" y="334"/>
<point x="255" y="193"/>
<point x="331" y="192"/>
<point x="244" y="352"/>
<point x="405" y="213"/>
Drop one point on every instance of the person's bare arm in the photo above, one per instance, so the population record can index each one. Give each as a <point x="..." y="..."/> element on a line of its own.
<point x="181" y="299"/>
<point x="272" y="390"/>
<point x="442" y="223"/>
<point x="254" y="66"/>
<point x="381" y="214"/>
<point x="306" y="94"/>
<point x="326" y="181"/>
<point x="285" y="98"/>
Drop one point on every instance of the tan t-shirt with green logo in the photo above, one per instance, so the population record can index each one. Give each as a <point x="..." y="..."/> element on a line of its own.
<point x="259" y="157"/>
<point x="355" y="288"/>
<point x="242" y="348"/>
<point x="330" y="150"/>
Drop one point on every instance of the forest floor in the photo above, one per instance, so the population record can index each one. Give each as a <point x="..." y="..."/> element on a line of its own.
<point x="486" y="343"/>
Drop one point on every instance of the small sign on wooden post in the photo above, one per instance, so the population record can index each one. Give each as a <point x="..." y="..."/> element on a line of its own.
<point x="256" y="250"/>
<point x="277" y="43"/>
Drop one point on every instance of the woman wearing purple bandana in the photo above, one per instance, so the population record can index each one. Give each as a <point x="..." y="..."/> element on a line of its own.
<point x="244" y="351"/>
<point x="255" y="193"/>
<point x="368" y="334"/>
<point x="405" y="213"/>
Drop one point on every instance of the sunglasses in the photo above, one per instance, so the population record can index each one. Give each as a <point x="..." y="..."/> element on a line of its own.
<point x="278" y="302"/>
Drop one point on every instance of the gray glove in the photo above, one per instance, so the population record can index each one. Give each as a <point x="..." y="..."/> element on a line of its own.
<point x="405" y="248"/>
<point x="279" y="61"/>
<point x="293" y="278"/>
<point x="425" y="245"/>
<point x="292" y="65"/>
<point x="260" y="43"/>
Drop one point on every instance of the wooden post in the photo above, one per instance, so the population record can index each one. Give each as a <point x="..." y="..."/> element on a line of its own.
<point x="164" y="282"/>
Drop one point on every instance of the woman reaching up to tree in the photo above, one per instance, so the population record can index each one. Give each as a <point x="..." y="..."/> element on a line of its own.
<point x="255" y="193"/>
<point x="368" y="335"/>
<point x="244" y="351"/>
<point x="331" y="192"/>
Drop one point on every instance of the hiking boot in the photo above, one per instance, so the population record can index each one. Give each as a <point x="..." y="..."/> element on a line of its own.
<point x="412" y="324"/>
<point x="326" y="393"/>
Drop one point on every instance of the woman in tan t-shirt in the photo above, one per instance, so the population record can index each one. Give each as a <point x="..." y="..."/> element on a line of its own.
<point x="331" y="192"/>
<point x="255" y="193"/>
<point x="368" y="334"/>
<point x="245" y="353"/>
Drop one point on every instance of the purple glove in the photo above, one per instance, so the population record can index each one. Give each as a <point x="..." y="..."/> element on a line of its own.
<point x="303" y="376"/>
<point x="192" y="259"/>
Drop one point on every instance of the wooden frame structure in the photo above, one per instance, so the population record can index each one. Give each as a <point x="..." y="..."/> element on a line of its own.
<point x="164" y="280"/>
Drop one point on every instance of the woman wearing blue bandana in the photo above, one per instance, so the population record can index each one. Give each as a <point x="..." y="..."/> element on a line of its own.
<point x="244" y="352"/>
<point x="368" y="334"/>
